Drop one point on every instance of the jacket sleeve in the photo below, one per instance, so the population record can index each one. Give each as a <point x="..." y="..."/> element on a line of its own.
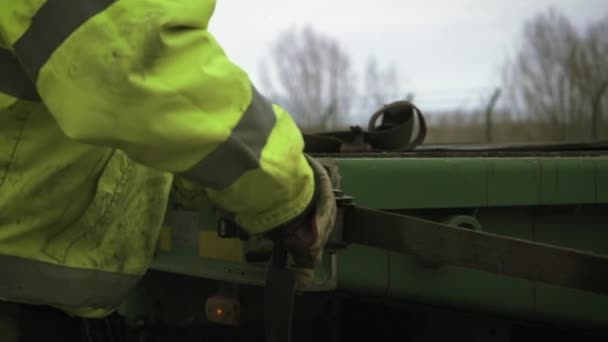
<point x="147" y="77"/>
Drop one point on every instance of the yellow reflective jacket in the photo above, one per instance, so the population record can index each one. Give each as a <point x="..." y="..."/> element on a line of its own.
<point x="102" y="104"/>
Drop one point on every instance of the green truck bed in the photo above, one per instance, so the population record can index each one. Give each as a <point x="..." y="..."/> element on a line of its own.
<point x="550" y="196"/>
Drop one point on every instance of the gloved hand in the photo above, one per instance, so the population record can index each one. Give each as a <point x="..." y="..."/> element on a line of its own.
<point x="306" y="236"/>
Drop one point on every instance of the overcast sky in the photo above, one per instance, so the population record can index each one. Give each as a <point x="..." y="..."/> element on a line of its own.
<point x="449" y="52"/>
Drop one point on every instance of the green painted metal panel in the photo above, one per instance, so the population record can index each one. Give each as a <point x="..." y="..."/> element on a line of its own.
<point x="513" y="222"/>
<point x="511" y="181"/>
<point x="363" y="270"/>
<point x="387" y="183"/>
<point x="412" y="183"/>
<point x="583" y="228"/>
<point x="468" y="289"/>
<point x="541" y="199"/>
<point x="601" y="177"/>
<point x="571" y="180"/>
<point x="572" y="305"/>
<point x="570" y="226"/>
<point x="459" y="287"/>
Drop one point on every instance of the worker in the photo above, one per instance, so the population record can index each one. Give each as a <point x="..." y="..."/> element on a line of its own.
<point x="106" y="107"/>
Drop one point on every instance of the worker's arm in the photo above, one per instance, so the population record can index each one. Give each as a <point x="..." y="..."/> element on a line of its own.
<point x="147" y="77"/>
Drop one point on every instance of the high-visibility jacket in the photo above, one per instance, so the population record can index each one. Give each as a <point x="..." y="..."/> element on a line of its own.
<point x="103" y="104"/>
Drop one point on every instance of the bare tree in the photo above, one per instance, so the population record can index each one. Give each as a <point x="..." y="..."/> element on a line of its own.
<point x="313" y="75"/>
<point x="590" y="72"/>
<point x="558" y="74"/>
<point x="382" y="85"/>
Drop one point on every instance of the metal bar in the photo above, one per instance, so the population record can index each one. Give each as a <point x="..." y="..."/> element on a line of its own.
<point x="493" y="253"/>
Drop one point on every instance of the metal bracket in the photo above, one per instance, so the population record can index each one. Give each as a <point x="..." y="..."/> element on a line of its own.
<point x="228" y="229"/>
<point x="335" y="241"/>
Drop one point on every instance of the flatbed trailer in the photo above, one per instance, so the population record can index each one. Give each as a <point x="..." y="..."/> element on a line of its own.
<point x="556" y="195"/>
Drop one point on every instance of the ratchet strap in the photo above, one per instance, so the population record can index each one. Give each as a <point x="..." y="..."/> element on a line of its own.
<point x="447" y="245"/>
<point x="279" y="295"/>
<point x="437" y="244"/>
<point x="395" y="132"/>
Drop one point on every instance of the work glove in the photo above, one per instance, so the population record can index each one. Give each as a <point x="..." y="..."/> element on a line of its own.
<point x="306" y="236"/>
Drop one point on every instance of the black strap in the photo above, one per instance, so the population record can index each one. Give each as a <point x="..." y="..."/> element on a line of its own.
<point x="393" y="133"/>
<point x="442" y="244"/>
<point x="279" y="295"/>
<point x="280" y="289"/>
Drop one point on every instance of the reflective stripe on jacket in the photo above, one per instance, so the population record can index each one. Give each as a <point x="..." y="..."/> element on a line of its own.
<point x="101" y="103"/>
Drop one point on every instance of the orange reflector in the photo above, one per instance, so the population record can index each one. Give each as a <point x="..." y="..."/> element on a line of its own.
<point x="223" y="310"/>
